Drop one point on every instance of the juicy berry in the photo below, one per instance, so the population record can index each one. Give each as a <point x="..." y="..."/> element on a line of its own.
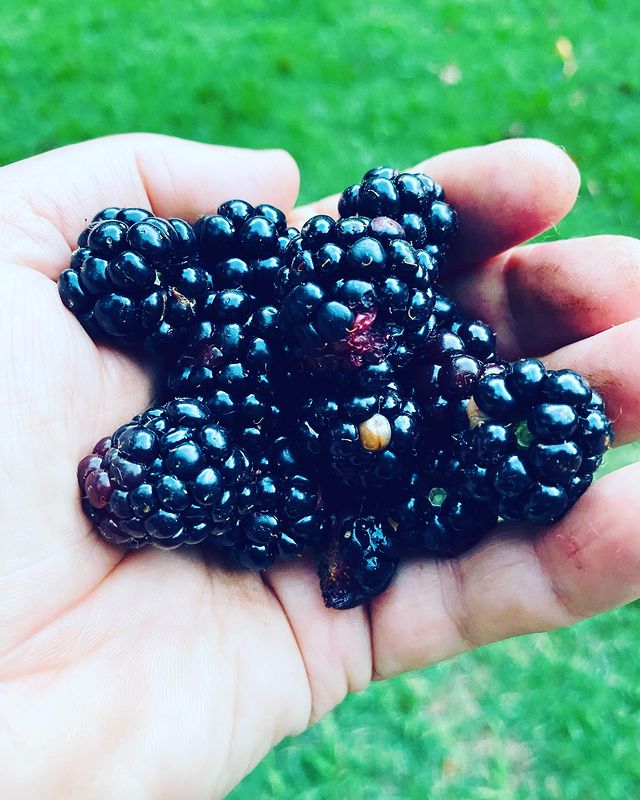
<point x="355" y="292"/>
<point x="412" y="199"/>
<point x="174" y="475"/>
<point x="365" y="436"/>
<point x="359" y="561"/>
<point x="135" y="279"/>
<point x="539" y="435"/>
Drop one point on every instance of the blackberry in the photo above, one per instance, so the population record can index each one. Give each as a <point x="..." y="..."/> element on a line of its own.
<point x="135" y="279"/>
<point x="363" y="435"/>
<point x="171" y="476"/>
<point x="358" y="563"/>
<point x="448" y="367"/>
<point x="355" y="292"/>
<point x="538" y="435"/>
<point x="280" y="510"/>
<point x="235" y="361"/>
<point x="414" y="200"/>
<point x="174" y="476"/>
<point x="242" y="246"/>
<point x="429" y="512"/>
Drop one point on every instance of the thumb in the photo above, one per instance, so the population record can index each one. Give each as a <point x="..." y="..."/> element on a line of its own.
<point x="50" y="197"/>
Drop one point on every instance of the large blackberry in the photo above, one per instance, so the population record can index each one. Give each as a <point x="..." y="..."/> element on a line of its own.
<point x="537" y="437"/>
<point x="415" y="200"/>
<point x="233" y="356"/>
<point x="355" y="292"/>
<point x="173" y="476"/>
<point x="359" y="561"/>
<point x="135" y="279"/>
<point x="364" y="435"/>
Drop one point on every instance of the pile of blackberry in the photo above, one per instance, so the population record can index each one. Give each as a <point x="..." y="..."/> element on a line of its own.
<point x="322" y="393"/>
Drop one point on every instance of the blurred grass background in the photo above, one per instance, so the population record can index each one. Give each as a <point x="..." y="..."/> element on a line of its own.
<point x="345" y="86"/>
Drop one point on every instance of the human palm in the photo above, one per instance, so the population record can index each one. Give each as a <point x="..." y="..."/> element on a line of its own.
<point x="163" y="675"/>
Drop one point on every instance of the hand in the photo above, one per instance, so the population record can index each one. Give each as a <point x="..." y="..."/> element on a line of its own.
<point x="159" y="674"/>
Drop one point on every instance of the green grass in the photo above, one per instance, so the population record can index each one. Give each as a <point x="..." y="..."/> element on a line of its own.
<point x="344" y="86"/>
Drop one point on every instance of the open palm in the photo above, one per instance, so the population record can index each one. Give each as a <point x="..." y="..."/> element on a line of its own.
<point x="161" y="675"/>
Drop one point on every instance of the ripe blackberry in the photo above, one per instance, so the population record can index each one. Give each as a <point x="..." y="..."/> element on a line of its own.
<point x="135" y="279"/>
<point x="355" y="292"/>
<point x="364" y="435"/>
<point x="538" y="436"/>
<point x="174" y="476"/>
<point x="242" y="246"/>
<point x="429" y="513"/>
<point x="280" y="510"/>
<point x="171" y="476"/>
<point x="448" y="367"/>
<point x="412" y="199"/>
<point x="235" y="361"/>
<point x="358" y="563"/>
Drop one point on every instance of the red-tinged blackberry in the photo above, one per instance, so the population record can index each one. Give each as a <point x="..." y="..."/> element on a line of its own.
<point x="174" y="475"/>
<point x="539" y="435"/>
<point x="358" y="562"/>
<point x="242" y="246"/>
<point x="412" y="199"/>
<point x="355" y="292"/>
<point x="171" y="476"/>
<point x="430" y="513"/>
<point x="363" y="435"/>
<point x="280" y="510"/>
<point x="135" y="279"/>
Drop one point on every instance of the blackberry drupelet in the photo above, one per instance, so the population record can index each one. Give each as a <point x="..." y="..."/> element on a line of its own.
<point x="362" y="434"/>
<point x="412" y="199"/>
<point x="355" y="292"/>
<point x="359" y="561"/>
<point x="538" y="436"/>
<point x="174" y="476"/>
<point x="280" y="510"/>
<point x="135" y="279"/>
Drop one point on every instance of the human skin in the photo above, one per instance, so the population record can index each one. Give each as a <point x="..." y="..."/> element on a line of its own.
<point x="159" y="675"/>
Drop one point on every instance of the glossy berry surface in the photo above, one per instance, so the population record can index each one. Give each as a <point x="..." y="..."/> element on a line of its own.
<point x="355" y="292"/>
<point x="540" y="435"/>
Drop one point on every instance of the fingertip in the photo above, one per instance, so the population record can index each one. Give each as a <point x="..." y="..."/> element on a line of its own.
<point x="285" y="173"/>
<point x="505" y="193"/>
<point x="553" y="175"/>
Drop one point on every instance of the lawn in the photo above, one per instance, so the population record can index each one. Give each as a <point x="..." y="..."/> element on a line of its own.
<point x="345" y="86"/>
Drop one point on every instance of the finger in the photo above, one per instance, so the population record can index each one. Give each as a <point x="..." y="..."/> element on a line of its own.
<point x="515" y="583"/>
<point x="611" y="363"/>
<point x="543" y="296"/>
<point x="335" y="645"/>
<point x="45" y="201"/>
<point x="505" y="193"/>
